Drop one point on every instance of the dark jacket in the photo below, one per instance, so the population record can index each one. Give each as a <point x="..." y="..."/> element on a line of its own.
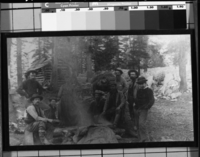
<point x="144" y="99"/>
<point x="52" y="112"/>
<point x="30" y="87"/>
<point x="96" y="107"/>
<point x="131" y="92"/>
<point x="114" y="100"/>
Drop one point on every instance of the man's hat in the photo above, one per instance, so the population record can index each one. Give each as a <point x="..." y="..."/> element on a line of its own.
<point x="118" y="69"/>
<point x="36" y="96"/>
<point x="132" y="70"/>
<point x="99" y="92"/>
<point x="31" y="71"/>
<point x="141" y="80"/>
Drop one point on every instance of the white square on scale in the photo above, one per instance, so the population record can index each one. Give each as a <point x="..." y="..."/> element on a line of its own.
<point x="49" y="21"/>
<point x="64" y="21"/>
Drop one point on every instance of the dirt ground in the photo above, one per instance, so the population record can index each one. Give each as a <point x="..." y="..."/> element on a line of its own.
<point x="167" y="121"/>
<point x="171" y="120"/>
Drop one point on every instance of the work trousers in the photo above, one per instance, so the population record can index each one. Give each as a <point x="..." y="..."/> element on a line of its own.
<point x="38" y="127"/>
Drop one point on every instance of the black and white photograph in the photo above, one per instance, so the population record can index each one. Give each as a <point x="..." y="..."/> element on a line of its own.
<point x="100" y="89"/>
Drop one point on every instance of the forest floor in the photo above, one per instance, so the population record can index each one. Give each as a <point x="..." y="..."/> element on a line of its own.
<point x="171" y="121"/>
<point x="167" y="121"/>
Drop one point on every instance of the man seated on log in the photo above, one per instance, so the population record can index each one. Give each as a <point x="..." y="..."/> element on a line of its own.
<point x="144" y="100"/>
<point x="36" y="120"/>
<point x="30" y="86"/>
<point x="97" y="105"/>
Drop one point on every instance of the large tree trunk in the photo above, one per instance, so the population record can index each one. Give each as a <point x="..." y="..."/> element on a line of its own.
<point x="90" y="73"/>
<point x="62" y="62"/>
<point x="182" y="70"/>
<point x="145" y="65"/>
<point x="138" y="70"/>
<point x="54" y="78"/>
<point x="19" y="61"/>
<point x="9" y="41"/>
<point x="138" y="66"/>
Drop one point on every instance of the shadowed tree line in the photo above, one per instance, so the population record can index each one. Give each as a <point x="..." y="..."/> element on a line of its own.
<point x="56" y="57"/>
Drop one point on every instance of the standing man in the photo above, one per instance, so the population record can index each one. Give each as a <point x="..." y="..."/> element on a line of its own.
<point x="36" y="120"/>
<point x="114" y="107"/>
<point x="121" y="83"/>
<point x="30" y="86"/>
<point x="144" y="100"/>
<point x="115" y="110"/>
<point x="97" y="105"/>
<point x="133" y="74"/>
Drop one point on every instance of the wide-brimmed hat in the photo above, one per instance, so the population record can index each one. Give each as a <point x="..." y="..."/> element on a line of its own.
<point x="118" y="69"/>
<point x="31" y="71"/>
<point x="36" y="96"/>
<point x="141" y="80"/>
<point x="132" y="70"/>
<point x="99" y="92"/>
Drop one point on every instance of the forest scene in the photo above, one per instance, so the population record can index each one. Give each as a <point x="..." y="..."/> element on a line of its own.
<point x="76" y="76"/>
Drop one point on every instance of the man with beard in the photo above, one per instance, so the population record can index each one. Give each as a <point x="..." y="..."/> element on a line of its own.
<point x="30" y="86"/>
<point x="144" y="100"/>
<point x="133" y="74"/>
<point x="36" y="121"/>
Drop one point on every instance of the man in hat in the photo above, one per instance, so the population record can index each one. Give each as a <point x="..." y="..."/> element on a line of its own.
<point x="30" y="86"/>
<point x="144" y="100"/>
<point x="132" y="87"/>
<point x="36" y="120"/>
<point x="121" y="83"/>
<point x="53" y="104"/>
<point x="97" y="105"/>
<point x="114" y="106"/>
<point x="115" y="110"/>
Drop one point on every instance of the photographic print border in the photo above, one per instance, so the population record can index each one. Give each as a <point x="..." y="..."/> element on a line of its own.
<point x="4" y="94"/>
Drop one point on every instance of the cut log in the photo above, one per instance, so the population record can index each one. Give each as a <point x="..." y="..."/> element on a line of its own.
<point x="28" y="138"/>
<point x="14" y="141"/>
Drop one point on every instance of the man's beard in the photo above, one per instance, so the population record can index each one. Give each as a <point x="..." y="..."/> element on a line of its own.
<point x="133" y="79"/>
<point x="37" y="103"/>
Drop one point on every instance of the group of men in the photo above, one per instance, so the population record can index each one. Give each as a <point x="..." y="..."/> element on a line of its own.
<point x="36" y="121"/>
<point x="111" y="100"/>
<point x="137" y="96"/>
